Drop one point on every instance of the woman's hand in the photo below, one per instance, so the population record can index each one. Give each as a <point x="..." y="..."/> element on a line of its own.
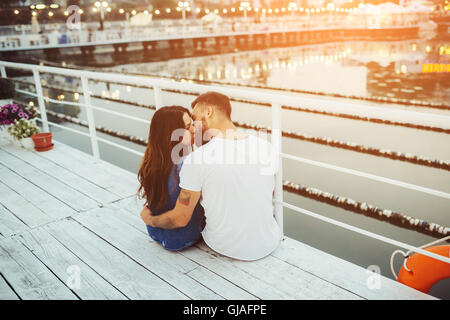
<point x="146" y="216"/>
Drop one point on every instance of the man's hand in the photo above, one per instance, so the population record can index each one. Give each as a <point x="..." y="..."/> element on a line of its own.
<point x="146" y="216"/>
<point x="178" y="217"/>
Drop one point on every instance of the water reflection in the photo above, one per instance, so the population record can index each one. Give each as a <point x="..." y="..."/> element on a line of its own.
<point x="409" y="70"/>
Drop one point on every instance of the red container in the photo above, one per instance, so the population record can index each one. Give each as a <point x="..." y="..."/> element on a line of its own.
<point x="42" y="140"/>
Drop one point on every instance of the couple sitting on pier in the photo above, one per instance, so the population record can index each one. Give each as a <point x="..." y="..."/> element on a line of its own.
<point x="228" y="180"/>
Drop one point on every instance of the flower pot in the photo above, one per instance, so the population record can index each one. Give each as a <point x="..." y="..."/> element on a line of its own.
<point x="27" y="143"/>
<point x="42" y="140"/>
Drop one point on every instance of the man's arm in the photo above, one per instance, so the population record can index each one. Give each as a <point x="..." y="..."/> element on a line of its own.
<point x="177" y="217"/>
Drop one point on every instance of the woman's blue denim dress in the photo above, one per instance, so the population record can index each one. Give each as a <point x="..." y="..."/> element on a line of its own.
<point x="179" y="238"/>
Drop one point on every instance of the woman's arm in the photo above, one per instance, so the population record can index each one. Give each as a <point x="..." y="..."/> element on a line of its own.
<point x="177" y="217"/>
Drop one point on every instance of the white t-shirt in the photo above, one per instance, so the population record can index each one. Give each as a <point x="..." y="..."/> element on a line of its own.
<point x="236" y="178"/>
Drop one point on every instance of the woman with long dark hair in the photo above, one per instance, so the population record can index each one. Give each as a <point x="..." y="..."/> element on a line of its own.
<point x="159" y="175"/>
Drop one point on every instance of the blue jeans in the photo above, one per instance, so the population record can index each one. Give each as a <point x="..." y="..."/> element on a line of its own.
<point x="174" y="248"/>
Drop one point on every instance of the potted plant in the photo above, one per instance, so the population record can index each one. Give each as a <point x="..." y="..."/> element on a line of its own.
<point x="42" y="141"/>
<point x="10" y="113"/>
<point x="6" y="91"/>
<point x="21" y="131"/>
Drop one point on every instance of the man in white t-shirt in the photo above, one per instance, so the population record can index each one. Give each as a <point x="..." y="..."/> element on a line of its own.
<point x="232" y="176"/>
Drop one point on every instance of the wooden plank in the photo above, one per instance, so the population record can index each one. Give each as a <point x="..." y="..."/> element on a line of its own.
<point x="28" y="276"/>
<point x="223" y="267"/>
<point x="219" y="285"/>
<point x="110" y="177"/>
<point x="6" y="293"/>
<point x="29" y="193"/>
<point x="130" y="216"/>
<point x="342" y="273"/>
<point x="131" y="208"/>
<point x="64" y="264"/>
<point x="64" y="175"/>
<point x="56" y="188"/>
<point x="20" y="207"/>
<point x="9" y="223"/>
<point x="290" y="279"/>
<point x="131" y="278"/>
<point x="132" y="204"/>
<point x="170" y="266"/>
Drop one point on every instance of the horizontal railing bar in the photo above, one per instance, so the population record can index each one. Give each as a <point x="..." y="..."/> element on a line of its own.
<point x="65" y="128"/>
<point x="299" y="159"/>
<point x="401" y="115"/>
<point x="373" y="120"/>
<point x="27" y="92"/>
<point x="121" y="147"/>
<point x="98" y="138"/>
<point x="294" y="108"/>
<point x="377" y="99"/>
<point x="406" y="185"/>
<point x="367" y="233"/>
<point x="69" y="103"/>
<point x="115" y="113"/>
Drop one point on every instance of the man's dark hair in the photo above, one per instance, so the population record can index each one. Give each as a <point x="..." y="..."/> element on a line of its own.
<point x="218" y="101"/>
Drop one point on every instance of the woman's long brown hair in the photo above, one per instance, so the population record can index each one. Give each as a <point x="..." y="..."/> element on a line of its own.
<point x="157" y="164"/>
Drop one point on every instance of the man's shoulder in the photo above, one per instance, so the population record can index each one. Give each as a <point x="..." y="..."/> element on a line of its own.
<point x="197" y="155"/>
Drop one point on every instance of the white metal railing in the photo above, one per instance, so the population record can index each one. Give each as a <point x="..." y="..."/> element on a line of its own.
<point x="276" y="100"/>
<point x="59" y="36"/>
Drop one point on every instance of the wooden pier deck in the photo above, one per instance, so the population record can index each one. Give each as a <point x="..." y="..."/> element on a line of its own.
<point x="64" y="213"/>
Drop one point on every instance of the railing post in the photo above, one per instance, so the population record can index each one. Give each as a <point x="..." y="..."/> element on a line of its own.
<point x="42" y="109"/>
<point x="3" y="71"/>
<point x="90" y="117"/>
<point x="158" y="97"/>
<point x="276" y="142"/>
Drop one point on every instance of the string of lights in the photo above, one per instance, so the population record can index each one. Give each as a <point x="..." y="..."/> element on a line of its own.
<point x="243" y="9"/>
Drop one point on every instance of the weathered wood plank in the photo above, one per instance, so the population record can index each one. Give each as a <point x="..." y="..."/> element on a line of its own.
<point x="220" y="285"/>
<point x="19" y="205"/>
<point x="39" y="198"/>
<point x="115" y="253"/>
<point x="342" y="273"/>
<point x="128" y="216"/>
<point x="65" y="265"/>
<point x="28" y="276"/>
<point x="9" y="223"/>
<point x="289" y="279"/>
<point x="110" y="177"/>
<point x="170" y="266"/>
<point x="131" y="204"/>
<point x="64" y="175"/>
<point x="132" y="279"/>
<point x="223" y="268"/>
<point x="6" y="293"/>
<point x="59" y="190"/>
